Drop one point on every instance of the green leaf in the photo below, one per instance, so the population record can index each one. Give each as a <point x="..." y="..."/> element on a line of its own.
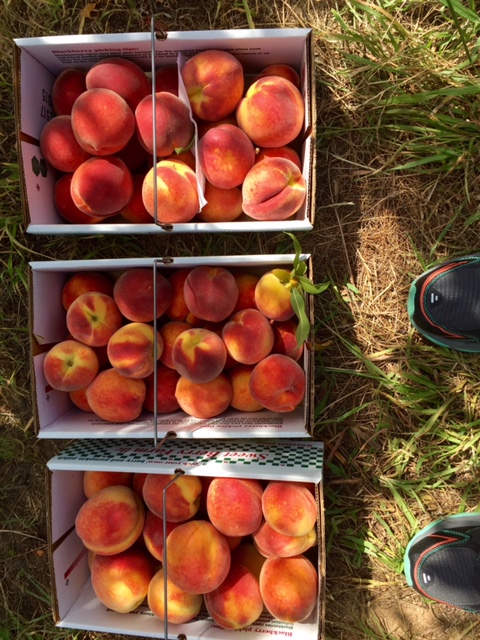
<point x="309" y="287"/>
<point x="303" y="328"/>
<point x="352" y="287"/>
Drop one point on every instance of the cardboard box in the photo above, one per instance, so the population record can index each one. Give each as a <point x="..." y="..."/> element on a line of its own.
<point x="55" y="415"/>
<point x="37" y="62"/>
<point x="75" y="604"/>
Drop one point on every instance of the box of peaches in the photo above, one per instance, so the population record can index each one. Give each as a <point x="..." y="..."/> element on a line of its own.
<point x="201" y="347"/>
<point x="195" y="131"/>
<point x="206" y="539"/>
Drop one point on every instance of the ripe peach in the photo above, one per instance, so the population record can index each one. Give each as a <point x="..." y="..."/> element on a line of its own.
<point x="237" y="602"/>
<point x="79" y="399"/>
<point x="271" y="543"/>
<point x="93" y="318"/>
<point x="166" y="384"/>
<point x="204" y="399"/>
<point x="289" y="508"/>
<point x="226" y="155"/>
<point x="116" y="398"/>
<point x="135" y="156"/>
<point x="93" y="481"/>
<point x="111" y="520"/>
<point x="279" y="152"/>
<point x="246" y="290"/>
<point x="272" y="112"/>
<point x="273" y="294"/>
<point x="223" y="205"/>
<point x="278" y="383"/>
<point x="283" y="70"/>
<point x="174" y="128"/>
<point x="102" y="121"/>
<point x="248" y="555"/>
<point x="177" y="309"/>
<point x="242" y="399"/>
<point x="70" y="365"/>
<point x="181" y="606"/>
<point x="198" y="557"/>
<point x="289" y="587"/>
<point x="284" y="338"/>
<point x="65" y="205"/>
<point x="121" y="581"/>
<point x="131" y="349"/>
<point x="166" y="79"/>
<point x="217" y="327"/>
<point x="102" y="187"/>
<point x="177" y="194"/>
<point x="134" y="211"/>
<point x="133" y="294"/>
<point x="214" y="81"/>
<point x="185" y="156"/>
<point x="59" y="146"/>
<point x="234" y="505"/>
<point x="170" y="332"/>
<point x="183" y="496"/>
<point x="121" y="75"/>
<point x="210" y="293"/>
<point x="153" y="534"/>
<point x="248" y="336"/>
<point x="85" y="281"/>
<point x="273" y="189"/>
<point x="203" y="126"/>
<point x="199" y="355"/>
<point x="68" y="85"/>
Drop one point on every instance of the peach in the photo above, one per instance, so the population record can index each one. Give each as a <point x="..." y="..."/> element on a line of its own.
<point x="68" y="85"/>
<point x="115" y="398"/>
<point x="289" y="587"/>
<point x="223" y="205"/>
<point x="272" y="112"/>
<point x="203" y="126"/>
<point x="279" y="152"/>
<point x="134" y="211"/>
<point x="170" y="332"/>
<point x="204" y="399"/>
<point x="93" y="481"/>
<point x="70" y="365"/>
<point x="166" y="79"/>
<point x="131" y="349"/>
<point x="135" y="156"/>
<point x="289" y="508"/>
<point x="166" y="384"/>
<point x="248" y="336"/>
<point x="79" y="399"/>
<point x="234" y="505"/>
<point x="273" y="294"/>
<point x="271" y="543"/>
<point x="249" y="556"/>
<point x="283" y="70"/>
<point x="181" y="606"/>
<point x="153" y="534"/>
<point x="111" y="520"/>
<point x="177" y="309"/>
<point x="214" y="81"/>
<point x="198" y="557"/>
<point x="59" y="146"/>
<point x="93" y="318"/>
<point x="133" y="293"/>
<point x="121" y="581"/>
<point x="226" y="155"/>
<point x="273" y="189"/>
<point x="122" y="76"/>
<point x="102" y="187"/>
<point x="102" y="121"/>
<point x="183" y="496"/>
<point x="284" y="338"/>
<point x="65" y="205"/>
<point x="210" y="293"/>
<point x="246" y="283"/>
<point x="233" y="542"/>
<point x="237" y="602"/>
<point x="217" y="327"/>
<point x="278" y="383"/>
<point x="177" y="194"/>
<point x="199" y="355"/>
<point x="185" y="156"/>
<point x="242" y="399"/>
<point x="83" y="282"/>
<point x="173" y="127"/>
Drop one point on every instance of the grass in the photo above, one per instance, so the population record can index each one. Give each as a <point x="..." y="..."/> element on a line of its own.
<point x="397" y="192"/>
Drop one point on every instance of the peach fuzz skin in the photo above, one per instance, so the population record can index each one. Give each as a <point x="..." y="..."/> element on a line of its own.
<point x="198" y="557"/>
<point x="121" y="581"/>
<point x="111" y="520"/>
<point x="70" y="366"/>
<point x="153" y="534"/>
<point x="278" y="383"/>
<point x="93" y="481"/>
<point x="242" y="399"/>
<point x="248" y="336"/>
<point x="210" y="293"/>
<point x="226" y="154"/>
<point x="181" y="606"/>
<point x="93" y="318"/>
<point x="273" y="294"/>
<point x="83" y="282"/>
<point x="271" y="543"/>
<point x="223" y="205"/>
<point x="131" y="349"/>
<point x="237" y="602"/>
<point x="199" y="355"/>
<point x="234" y="505"/>
<point x="177" y="199"/>
<point x="204" y="399"/>
<point x="59" y="145"/>
<point x="122" y="76"/>
<point x="183" y="496"/>
<point x="170" y="332"/>
<point x="289" y="508"/>
<point x="68" y="85"/>
<point x="133" y="294"/>
<point x="166" y="384"/>
<point x="115" y="398"/>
